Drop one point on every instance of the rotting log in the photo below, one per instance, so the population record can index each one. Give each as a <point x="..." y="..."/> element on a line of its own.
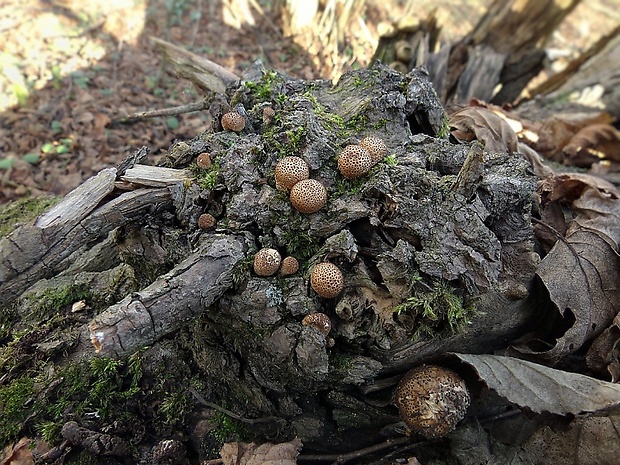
<point x="435" y="221"/>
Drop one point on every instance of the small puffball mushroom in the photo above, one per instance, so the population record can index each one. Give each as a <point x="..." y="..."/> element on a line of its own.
<point x="308" y="196"/>
<point x="431" y="400"/>
<point x="204" y="161"/>
<point x="289" y="171"/>
<point x="233" y="121"/>
<point x="319" y="321"/>
<point x="354" y="162"/>
<point x="267" y="262"/>
<point x="206" y="221"/>
<point x="326" y="279"/>
<point x="376" y="148"/>
<point x="268" y="115"/>
<point x="289" y="266"/>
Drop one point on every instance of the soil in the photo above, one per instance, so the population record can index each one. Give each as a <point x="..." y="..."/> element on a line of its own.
<point x="70" y="68"/>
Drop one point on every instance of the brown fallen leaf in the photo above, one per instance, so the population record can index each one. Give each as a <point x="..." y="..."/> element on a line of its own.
<point x="592" y="440"/>
<point x="582" y="271"/>
<point x="543" y="389"/>
<point x="18" y="454"/>
<point x="240" y="453"/>
<point x="603" y="356"/>
<point x="592" y="144"/>
<point x="494" y="132"/>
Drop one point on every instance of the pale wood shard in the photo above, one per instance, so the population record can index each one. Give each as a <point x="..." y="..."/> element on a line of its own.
<point x="168" y="303"/>
<point x="204" y="73"/>
<point x="156" y="176"/>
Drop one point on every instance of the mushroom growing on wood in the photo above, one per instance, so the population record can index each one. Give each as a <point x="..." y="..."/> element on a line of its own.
<point x="308" y="196"/>
<point x="354" y="162"/>
<point x="206" y="221"/>
<point x="289" y="171"/>
<point x="376" y="148"/>
<point x="233" y="121"/>
<point x="431" y="400"/>
<point x="289" y="266"/>
<point x="267" y="262"/>
<point x="204" y="161"/>
<point x="320" y="321"/>
<point x="326" y="280"/>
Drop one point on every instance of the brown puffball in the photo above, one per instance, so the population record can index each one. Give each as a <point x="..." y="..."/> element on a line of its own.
<point x="431" y="400"/>
<point x="289" y="266"/>
<point x="204" y="161"/>
<point x="354" y="162"/>
<point x="233" y="121"/>
<point x="308" y="196"/>
<point x="267" y="262"/>
<point x="289" y="171"/>
<point x="206" y="221"/>
<point x="326" y="279"/>
<point x="320" y="321"/>
<point x="376" y="148"/>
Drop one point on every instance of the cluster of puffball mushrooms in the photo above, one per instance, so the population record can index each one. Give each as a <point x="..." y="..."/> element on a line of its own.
<point x="431" y="399"/>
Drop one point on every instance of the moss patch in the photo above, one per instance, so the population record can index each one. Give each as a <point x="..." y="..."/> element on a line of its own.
<point x="22" y="211"/>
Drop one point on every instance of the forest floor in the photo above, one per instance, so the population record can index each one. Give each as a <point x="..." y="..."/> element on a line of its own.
<point x="67" y="69"/>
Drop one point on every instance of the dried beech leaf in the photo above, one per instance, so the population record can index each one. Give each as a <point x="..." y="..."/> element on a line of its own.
<point x="592" y="144"/>
<point x="582" y="271"/>
<point x="479" y="123"/>
<point x="603" y="356"/>
<point x="543" y="389"/>
<point x="588" y="441"/>
<point x="18" y="454"/>
<point x="240" y="453"/>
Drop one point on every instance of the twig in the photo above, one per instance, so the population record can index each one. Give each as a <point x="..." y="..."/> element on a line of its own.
<point x="173" y="111"/>
<point x="342" y="458"/>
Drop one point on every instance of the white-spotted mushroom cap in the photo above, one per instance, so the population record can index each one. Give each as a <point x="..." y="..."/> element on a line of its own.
<point x="326" y="279"/>
<point x="354" y="162"/>
<point x="431" y="400"/>
<point x="267" y="262"/>
<point x="204" y="161"/>
<point x="308" y="196"/>
<point x="206" y="221"/>
<point x="289" y="266"/>
<point x="319" y="321"/>
<point x="376" y="148"/>
<point x="233" y="121"/>
<point x="289" y="171"/>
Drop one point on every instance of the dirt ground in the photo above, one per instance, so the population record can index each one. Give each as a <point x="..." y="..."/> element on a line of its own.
<point x="68" y="68"/>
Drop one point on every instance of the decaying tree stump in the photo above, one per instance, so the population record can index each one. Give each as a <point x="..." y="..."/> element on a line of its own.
<point x="435" y="222"/>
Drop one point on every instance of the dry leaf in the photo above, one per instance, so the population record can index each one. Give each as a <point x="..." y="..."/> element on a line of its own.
<point x="18" y="454"/>
<point x="582" y="271"/>
<point x="543" y="389"/>
<point x="240" y="453"/>
<point x="588" y="441"/>
<point x="592" y="144"/>
<point x="479" y="123"/>
<point x="603" y="356"/>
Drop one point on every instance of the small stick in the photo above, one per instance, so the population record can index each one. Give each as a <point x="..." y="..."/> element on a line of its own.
<point x="172" y="111"/>
<point x="342" y="458"/>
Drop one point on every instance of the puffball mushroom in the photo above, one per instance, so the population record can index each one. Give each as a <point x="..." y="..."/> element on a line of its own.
<point x="267" y="262"/>
<point x="319" y="321"/>
<point x="206" y="221"/>
<point x="354" y="162"/>
<point x="376" y="148"/>
<point x="204" y="161"/>
<point x="289" y="266"/>
<point x="326" y="279"/>
<point x="233" y="121"/>
<point x="431" y="400"/>
<point x="289" y="171"/>
<point x="308" y="196"/>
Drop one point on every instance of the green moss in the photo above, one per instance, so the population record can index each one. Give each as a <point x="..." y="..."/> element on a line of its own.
<point x="206" y="178"/>
<point x="14" y="400"/>
<point x="174" y="407"/>
<point x="50" y="301"/>
<point x="444" y="132"/>
<point x="22" y="211"/>
<point x="229" y="429"/>
<point x="263" y="91"/>
<point x="436" y="309"/>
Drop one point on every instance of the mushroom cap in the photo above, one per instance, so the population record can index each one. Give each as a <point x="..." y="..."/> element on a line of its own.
<point x="289" y="266"/>
<point x="204" y="161"/>
<point x="206" y="221"/>
<point x="233" y="121"/>
<point x="267" y="262"/>
<point x="308" y="196"/>
<point x="268" y="114"/>
<point x="319" y="321"/>
<point x="289" y="171"/>
<point x="376" y="148"/>
<point x="326" y="279"/>
<point x="431" y="400"/>
<point x="354" y="162"/>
